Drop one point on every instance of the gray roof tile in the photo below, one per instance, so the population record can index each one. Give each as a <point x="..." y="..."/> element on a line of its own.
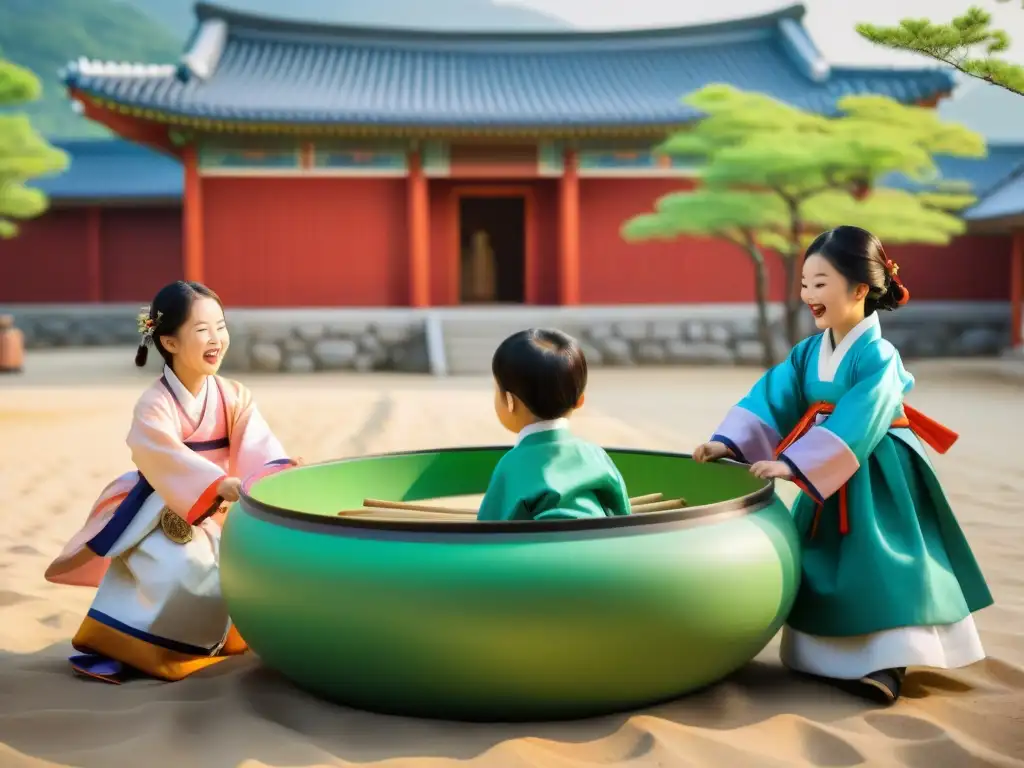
<point x="272" y="70"/>
<point x="113" y="169"/>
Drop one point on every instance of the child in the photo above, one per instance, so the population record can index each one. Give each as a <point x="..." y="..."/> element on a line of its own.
<point x="151" y="543"/>
<point x="888" y="579"/>
<point x="539" y="378"/>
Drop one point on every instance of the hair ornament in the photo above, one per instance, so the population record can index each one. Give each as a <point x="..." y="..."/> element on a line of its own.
<point x="147" y="325"/>
<point x="893" y="270"/>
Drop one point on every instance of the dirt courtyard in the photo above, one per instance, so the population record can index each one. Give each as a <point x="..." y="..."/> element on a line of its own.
<point x="62" y="430"/>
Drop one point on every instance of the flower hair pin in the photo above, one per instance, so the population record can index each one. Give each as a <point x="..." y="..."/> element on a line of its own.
<point x="894" y="274"/>
<point x="146" y="324"/>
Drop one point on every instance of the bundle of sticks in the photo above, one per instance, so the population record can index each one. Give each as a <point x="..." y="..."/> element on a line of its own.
<point x="379" y="509"/>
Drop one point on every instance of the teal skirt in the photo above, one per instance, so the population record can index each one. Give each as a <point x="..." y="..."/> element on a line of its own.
<point x="904" y="560"/>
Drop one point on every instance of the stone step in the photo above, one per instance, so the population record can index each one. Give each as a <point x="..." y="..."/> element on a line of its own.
<point x="470" y="357"/>
<point x="470" y="342"/>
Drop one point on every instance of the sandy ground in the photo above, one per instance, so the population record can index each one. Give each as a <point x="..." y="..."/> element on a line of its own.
<point x="62" y="428"/>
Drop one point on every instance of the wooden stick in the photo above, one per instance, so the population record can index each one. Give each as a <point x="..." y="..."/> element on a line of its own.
<point x="405" y="518"/>
<point x="381" y="504"/>
<point x="659" y="506"/>
<point x="391" y="514"/>
<point x="647" y="499"/>
<point x="421" y="514"/>
<point x="379" y="509"/>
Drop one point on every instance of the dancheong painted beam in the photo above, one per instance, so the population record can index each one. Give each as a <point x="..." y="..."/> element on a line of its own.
<point x="249" y="73"/>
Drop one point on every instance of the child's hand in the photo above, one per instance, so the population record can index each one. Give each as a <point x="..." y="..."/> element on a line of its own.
<point x="711" y="451"/>
<point x="769" y="469"/>
<point x="229" y="488"/>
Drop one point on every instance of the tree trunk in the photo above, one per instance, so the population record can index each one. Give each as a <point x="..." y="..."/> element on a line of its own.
<point x="764" y="328"/>
<point x="792" y="300"/>
<point x="790" y="263"/>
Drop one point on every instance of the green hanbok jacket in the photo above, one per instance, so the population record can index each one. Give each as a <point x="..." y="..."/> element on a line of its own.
<point x="550" y="474"/>
<point x="903" y="559"/>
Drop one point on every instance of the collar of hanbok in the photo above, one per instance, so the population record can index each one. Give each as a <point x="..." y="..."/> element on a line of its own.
<point x="541" y="426"/>
<point x="192" y="405"/>
<point x="829" y="358"/>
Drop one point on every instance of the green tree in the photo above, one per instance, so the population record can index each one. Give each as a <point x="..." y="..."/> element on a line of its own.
<point x="967" y="43"/>
<point x="24" y="154"/>
<point x="810" y="173"/>
<point x="746" y="219"/>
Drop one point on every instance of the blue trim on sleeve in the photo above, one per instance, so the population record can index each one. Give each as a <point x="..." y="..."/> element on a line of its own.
<point x="814" y="493"/>
<point x="737" y="453"/>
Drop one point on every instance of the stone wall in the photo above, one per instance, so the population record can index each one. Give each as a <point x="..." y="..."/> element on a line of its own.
<point x="307" y="340"/>
<point x="298" y="341"/>
<point x="325" y="343"/>
<point x="923" y="331"/>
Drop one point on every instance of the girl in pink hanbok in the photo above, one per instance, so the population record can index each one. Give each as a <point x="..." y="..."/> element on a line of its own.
<point x="151" y="543"/>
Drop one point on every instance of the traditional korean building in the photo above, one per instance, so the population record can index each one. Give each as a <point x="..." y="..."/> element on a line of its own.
<point x="112" y="232"/>
<point x="1001" y="212"/>
<point x="343" y="166"/>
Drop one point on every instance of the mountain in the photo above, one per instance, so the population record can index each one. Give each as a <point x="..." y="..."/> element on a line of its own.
<point x="44" y="35"/>
<point x="177" y="15"/>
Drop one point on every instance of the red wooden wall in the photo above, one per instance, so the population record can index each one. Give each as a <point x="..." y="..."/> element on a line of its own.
<point x="343" y="242"/>
<point x="139" y="250"/>
<point x="973" y="267"/>
<point x="279" y="242"/>
<point x="694" y="270"/>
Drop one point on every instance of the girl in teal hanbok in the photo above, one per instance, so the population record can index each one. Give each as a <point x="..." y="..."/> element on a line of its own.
<point x="888" y="578"/>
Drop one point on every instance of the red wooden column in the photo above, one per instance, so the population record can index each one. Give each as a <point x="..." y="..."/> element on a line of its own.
<point x="569" y="232"/>
<point x="94" y="253"/>
<point x="192" y="217"/>
<point x="419" y="233"/>
<point x="1017" y="289"/>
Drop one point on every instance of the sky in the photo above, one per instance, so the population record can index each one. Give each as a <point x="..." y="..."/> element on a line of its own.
<point x="830" y="22"/>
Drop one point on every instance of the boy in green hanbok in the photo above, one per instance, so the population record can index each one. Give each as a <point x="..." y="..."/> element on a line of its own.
<point x="888" y="578"/>
<point x="539" y="380"/>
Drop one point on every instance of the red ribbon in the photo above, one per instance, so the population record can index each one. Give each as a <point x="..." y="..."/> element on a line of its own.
<point x="936" y="435"/>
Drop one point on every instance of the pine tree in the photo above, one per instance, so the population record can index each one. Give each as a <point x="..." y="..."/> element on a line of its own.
<point x="24" y="154"/>
<point x="967" y="43"/>
<point x="773" y="176"/>
<point x="748" y="220"/>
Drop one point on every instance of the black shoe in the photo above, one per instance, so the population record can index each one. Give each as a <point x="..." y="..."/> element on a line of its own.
<point x="882" y="686"/>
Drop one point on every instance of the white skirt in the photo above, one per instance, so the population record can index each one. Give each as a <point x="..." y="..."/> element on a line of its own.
<point x="163" y="590"/>
<point x="945" y="646"/>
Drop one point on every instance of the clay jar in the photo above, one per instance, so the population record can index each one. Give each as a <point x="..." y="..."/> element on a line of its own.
<point x="12" y="346"/>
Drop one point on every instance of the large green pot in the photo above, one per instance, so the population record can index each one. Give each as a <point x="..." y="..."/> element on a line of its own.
<point x="506" y="621"/>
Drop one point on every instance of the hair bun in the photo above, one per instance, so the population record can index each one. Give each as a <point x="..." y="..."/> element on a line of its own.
<point x="895" y="296"/>
<point x="141" y="355"/>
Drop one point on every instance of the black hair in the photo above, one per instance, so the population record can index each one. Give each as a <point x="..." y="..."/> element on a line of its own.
<point x="858" y="256"/>
<point x="545" y="369"/>
<point x="170" y="309"/>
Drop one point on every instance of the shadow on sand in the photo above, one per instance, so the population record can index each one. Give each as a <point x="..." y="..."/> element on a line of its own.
<point x="239" y="711"/>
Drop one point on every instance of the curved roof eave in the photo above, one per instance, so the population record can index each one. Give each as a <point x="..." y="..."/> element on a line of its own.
<point x="290" y="27"/>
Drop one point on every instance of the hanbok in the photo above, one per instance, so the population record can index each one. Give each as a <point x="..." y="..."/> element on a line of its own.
<point x="550" y="474"/>
<point x="151" y="543"/>
<point x="888" y="578"/>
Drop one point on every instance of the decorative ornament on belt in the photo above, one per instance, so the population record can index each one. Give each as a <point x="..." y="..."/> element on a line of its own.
<point x="147" y="325"/>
